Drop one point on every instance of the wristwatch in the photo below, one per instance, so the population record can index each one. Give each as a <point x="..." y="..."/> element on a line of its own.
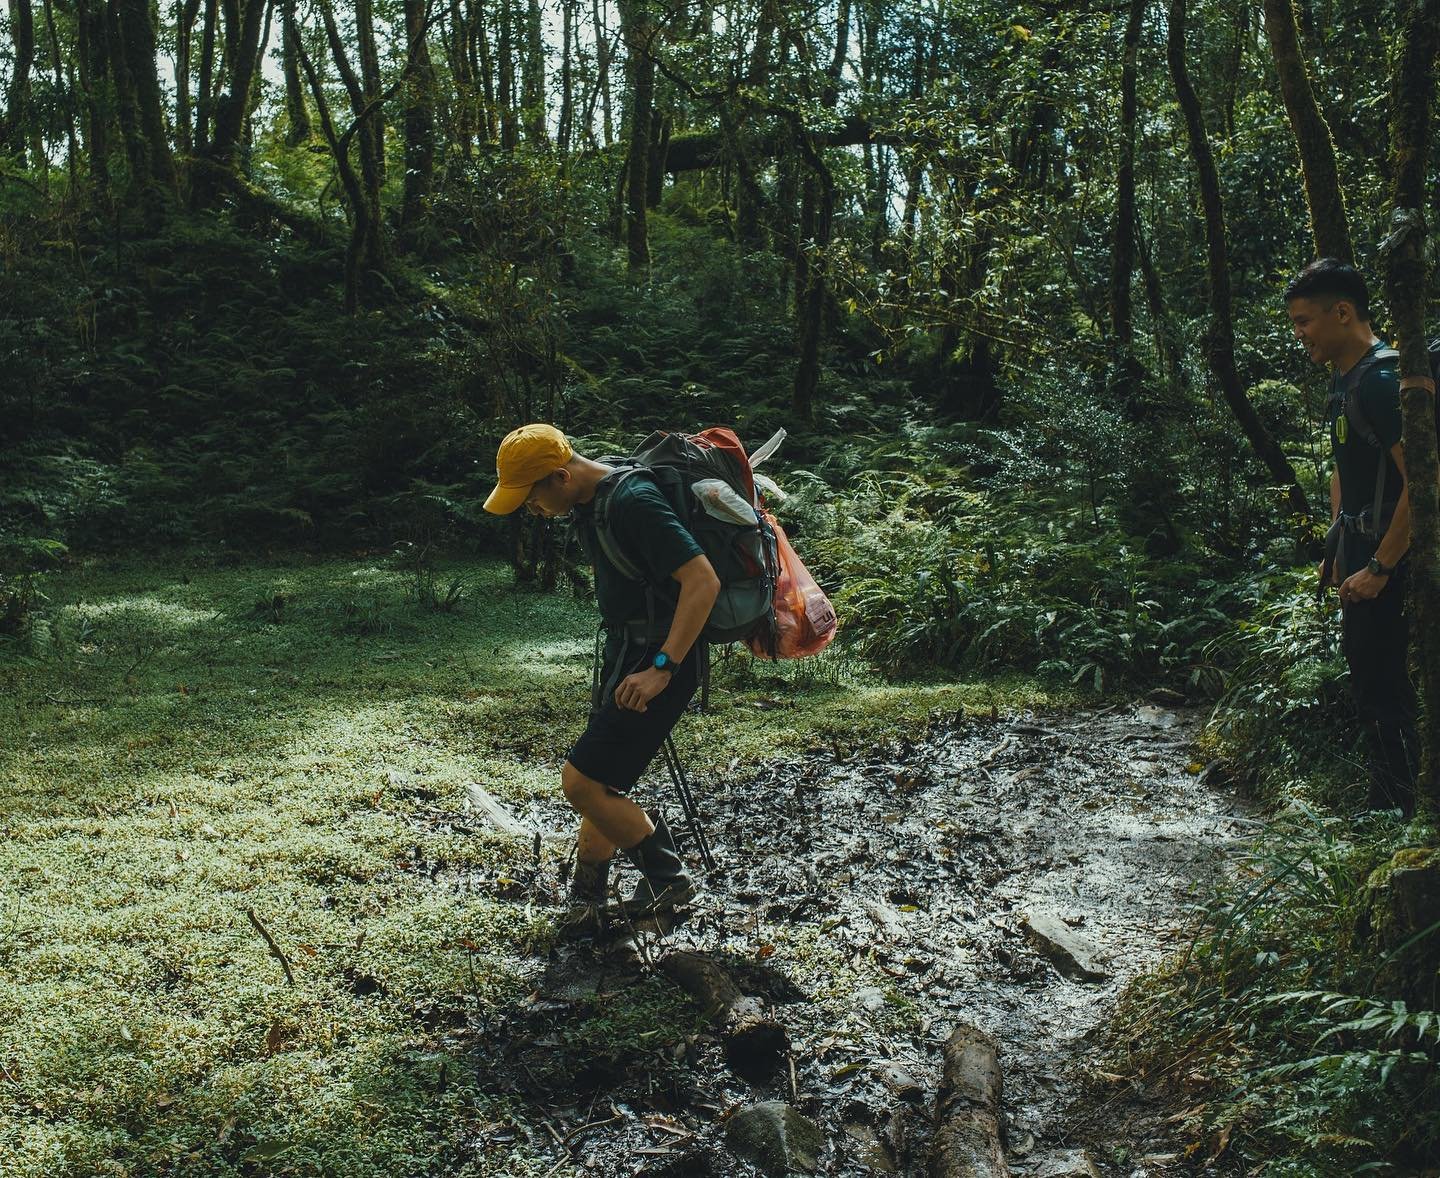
<point x="663" y="662"/>
<point x="1379" y="569"/>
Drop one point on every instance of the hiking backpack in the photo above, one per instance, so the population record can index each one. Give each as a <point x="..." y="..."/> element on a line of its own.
<point x="1349" y="389"/>
<point x="710" y="482"/>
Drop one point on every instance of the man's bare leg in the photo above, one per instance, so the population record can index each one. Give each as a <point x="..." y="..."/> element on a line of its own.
<point x="608" y="820"/>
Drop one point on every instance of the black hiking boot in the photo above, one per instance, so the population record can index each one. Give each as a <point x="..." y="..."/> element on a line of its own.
<point x="585" y="912"/>
<point x="666" y="885"/>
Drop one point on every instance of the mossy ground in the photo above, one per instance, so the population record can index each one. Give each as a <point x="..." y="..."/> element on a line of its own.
<point x="188" y="741"/>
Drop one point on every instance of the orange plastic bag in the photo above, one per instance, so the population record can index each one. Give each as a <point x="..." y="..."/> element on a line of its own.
<point x="804" y="618"/>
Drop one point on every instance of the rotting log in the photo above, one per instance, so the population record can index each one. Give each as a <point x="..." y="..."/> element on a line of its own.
<point x="755" y="1044"/>
<point x="967" y="1110"/>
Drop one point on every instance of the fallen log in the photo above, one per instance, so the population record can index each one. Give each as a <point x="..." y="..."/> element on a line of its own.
<point x="755" y="1044"/>
<point x="967" y="1110"/>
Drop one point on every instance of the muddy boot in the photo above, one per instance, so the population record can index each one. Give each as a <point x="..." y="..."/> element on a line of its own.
<point x="585" y="911"/>
<point x="666" y="885"/>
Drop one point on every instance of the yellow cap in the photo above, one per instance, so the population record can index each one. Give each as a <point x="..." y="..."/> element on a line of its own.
<point x="525" y="457"/>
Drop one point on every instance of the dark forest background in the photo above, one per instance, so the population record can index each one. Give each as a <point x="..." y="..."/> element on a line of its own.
<point x="279" y="274"/>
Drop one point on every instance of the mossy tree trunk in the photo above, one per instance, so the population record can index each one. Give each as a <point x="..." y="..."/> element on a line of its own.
<point x="1406" y="287"/>
<point x="184" y="108"/>
<point x="205" y="89"/>
<point x="367" y="50"/>
<point x="16" y="122"/>
<point x="1220" y="344"/>
<point x="131" y="37"/>
<point x="505" y="50"/>
<point x="297" y="114"/>
<point x="94" y="84"/>
<point x="1328" y="221"/>
<point x="419" y="124"/>
<point x="533" y="78"/>
<point x="243" y="22"/>
<point x="637" y="28"/>
<point x="1122" y="255"/>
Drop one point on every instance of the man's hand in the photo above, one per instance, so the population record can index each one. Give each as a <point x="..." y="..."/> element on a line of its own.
<point x="636" y="691"/>
<point x="1362" y="586"/>
<point x="1328" y="577"/>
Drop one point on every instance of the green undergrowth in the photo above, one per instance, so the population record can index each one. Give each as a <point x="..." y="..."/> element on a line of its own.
<point x="1291" y="1031"/>
<point x="186" y="742"/>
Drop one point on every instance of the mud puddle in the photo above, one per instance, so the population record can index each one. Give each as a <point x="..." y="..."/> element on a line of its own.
<point x="1009" y="874"/>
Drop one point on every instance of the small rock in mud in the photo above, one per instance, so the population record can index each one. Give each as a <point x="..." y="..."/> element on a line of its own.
<point x="776" y="1137"/>
<point x="900" y="1082"/>
<point x="1073" y="1163"/>
<point x="1072" y="955"/>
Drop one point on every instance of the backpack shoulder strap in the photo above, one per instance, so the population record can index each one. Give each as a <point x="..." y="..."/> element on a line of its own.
<point x="1350" y="388"/>
<point x="608" y="544"/>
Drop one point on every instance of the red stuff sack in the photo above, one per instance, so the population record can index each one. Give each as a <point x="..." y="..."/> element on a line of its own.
<point x="805" y="620"/>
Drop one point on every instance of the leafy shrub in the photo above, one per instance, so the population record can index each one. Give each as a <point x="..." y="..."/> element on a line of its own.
<point x="1286" y="718"/>
<point x="1305" y="1059"/>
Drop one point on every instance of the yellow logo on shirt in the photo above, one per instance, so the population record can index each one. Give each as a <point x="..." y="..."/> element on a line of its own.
<point x="1342" y="429"/>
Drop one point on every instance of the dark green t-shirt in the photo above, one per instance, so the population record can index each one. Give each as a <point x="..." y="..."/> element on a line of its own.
<point x="1378" y="399"/>
<point x="648" y="532"/>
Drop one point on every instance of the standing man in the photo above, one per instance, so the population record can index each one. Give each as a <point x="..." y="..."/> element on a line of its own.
<point x="648" y="674"/>
<point x="1329" y="308"/>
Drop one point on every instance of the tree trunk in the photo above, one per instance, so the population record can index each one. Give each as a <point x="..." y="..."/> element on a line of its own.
<point x="755" y="1044"/>
<point x="564" y="130"/>
<point x="967" y="1110"/>
<point x="184" y="107"/>
<point x="247" y="131"/>
<point x="534" y="78"/>
<point x="16" y="123"/>
<point x="637" y="29"/>
<point x="509" y="123"/>
<point x="137" y="98"/>
<point x="297" y="114"/>
<point x="486" y="69"/>
<point x="1122" y="257"/>
<point x="749" y="197"/>
<point x="1406" y="287"/>
<point x="364" y="233"/>
<point x="603" y="58"/>
<point x="243" y="22"/>
<point x="205" y="90"/>
<point x="94" y="67"/>
<point x="1328" y="221"/>
<point x="72" y="151"/>
<point x="368" y="51"/>
<point x="419" y="123"/>
<point x="1220" y="345"/>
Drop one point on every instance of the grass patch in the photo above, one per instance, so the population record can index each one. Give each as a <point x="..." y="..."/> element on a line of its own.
<point x="184" y="742"/>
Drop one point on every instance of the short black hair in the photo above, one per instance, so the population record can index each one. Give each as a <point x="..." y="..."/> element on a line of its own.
<point x="1330" y="278"/>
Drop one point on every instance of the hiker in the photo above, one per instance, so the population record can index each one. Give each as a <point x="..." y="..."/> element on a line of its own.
<point x="1329" y="307"/>
<point x="649" y="668"/>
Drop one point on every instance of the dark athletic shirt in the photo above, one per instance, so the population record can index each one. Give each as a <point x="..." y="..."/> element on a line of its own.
<point x="1378" y="398"/>
<point x="648" y="532"/>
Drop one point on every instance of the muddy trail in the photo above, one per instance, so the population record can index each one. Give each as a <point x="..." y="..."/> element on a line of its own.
<point x="1009" y="874"/>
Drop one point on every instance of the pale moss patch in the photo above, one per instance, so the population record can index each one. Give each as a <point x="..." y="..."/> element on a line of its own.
<point x="183" y="750"/>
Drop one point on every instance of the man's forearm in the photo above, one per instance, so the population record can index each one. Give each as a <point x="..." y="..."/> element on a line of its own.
<point x="692" y="611"/>
<point x="1396" y="541"/>
<point x="1334" y="494"/>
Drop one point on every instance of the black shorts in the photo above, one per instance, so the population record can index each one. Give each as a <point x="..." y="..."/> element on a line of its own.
<point x="618" y="744"/>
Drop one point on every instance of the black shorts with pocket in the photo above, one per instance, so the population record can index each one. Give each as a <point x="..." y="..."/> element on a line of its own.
<point x="618" y="744"/>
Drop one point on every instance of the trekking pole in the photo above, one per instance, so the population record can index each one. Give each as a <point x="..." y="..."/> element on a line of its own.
<point x="687" y="803"/>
